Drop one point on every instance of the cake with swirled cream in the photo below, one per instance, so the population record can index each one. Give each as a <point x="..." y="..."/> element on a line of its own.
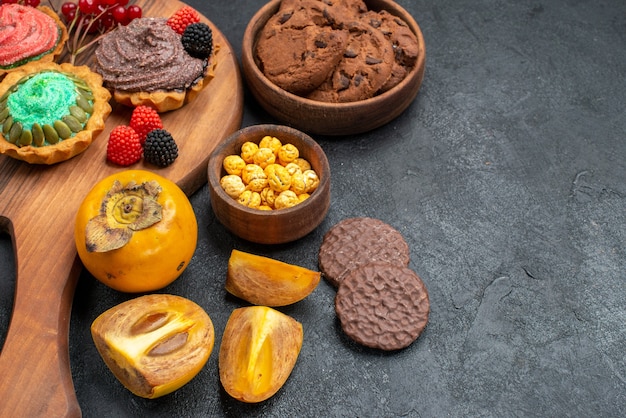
<point x="29" y="34"/>
<point x="146" y="63"/>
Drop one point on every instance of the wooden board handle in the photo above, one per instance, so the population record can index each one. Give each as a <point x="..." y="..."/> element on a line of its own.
<point x="35" y="370"/>
<point x="39" y="204"/>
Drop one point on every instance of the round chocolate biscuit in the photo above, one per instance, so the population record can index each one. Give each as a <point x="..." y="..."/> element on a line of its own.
<point x="382" y="306"/>
<point x="357" y="241"/>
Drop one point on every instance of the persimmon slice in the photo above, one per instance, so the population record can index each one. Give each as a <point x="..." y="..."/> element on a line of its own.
<point x="268" y="282"/>
<point x="154" y="344"/>
<point x="258" y="351"/>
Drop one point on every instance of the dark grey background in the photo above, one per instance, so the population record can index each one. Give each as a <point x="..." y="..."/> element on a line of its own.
<point x="506" y="177"/>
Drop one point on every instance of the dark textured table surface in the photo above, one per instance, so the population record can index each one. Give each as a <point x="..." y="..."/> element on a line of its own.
<point x="505" y="176"/>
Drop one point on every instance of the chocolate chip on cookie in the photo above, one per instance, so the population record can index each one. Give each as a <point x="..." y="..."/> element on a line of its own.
<point x="365" y="67"/>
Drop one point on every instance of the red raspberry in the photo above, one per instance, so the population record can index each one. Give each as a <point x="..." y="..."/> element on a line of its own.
<point x="183" y="17"/>
<point x="124" y="147"/>
<point x="143" y="120"/>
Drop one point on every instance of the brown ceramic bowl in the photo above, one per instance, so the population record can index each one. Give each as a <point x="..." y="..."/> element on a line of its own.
<point x="275" y="226"/>
<point x="317" y="117"/>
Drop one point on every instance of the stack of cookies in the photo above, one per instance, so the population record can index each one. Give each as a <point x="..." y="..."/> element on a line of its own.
<point x="380" y="302"/>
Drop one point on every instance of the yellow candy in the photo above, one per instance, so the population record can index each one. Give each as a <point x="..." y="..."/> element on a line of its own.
<point x="304" y="196"/>
<point x="264" y="157"/>
<point x="298" y="185"/>
<point x="233" y="164"/>
<point x="232" y="185"/>
<point x="287" y="154"/>
<point x="304" y="164"/>
<point x="311" y="179"/>
<point x="258" y="184"/>
<point x="269" y="170"/>
<point x="278" y="178"/>
<point x="248" y="149"/>
<point x="293" y="168"/>
<point x="251" y="172"/>
<point x="250" y="199"/>
<point x="264" y="207"/>
<point x="270" y="142"/>
<point x="286" y="199"/>
<point x="268" y="196"/>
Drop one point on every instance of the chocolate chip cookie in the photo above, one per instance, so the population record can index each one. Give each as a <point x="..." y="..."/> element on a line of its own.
<point x="365" y="67"/>
<point x="403" y="40"/>
<point x="299" y="59"/>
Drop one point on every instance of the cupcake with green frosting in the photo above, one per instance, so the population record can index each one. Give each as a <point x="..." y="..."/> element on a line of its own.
<point x="50" y="113"/>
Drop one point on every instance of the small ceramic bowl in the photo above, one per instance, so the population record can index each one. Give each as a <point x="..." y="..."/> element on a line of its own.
<point x="270" y="226"/>
<point x="316" y="117"/>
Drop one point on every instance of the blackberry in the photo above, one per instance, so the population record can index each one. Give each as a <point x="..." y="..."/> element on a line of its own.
<point x="198" y="40"/>
<point x="160" y="148"/>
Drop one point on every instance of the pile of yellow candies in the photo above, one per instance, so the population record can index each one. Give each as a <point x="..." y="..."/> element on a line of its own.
<point x="268" y="175"/>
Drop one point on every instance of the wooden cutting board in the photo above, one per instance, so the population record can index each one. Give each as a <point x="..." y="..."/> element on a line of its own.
<point x="37" y="208"/>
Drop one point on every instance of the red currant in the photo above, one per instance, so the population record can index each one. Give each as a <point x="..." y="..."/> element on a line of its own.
<point x="68" y="8"/>
<point x="109" y="2"/>
<point x="107" y="21"/>
<point x="31" y="3"/>
<point x="119" y="14"/>
<point x="134" y="12"/>
<point x="70" y="16"/>
<point x="87" y="6"/>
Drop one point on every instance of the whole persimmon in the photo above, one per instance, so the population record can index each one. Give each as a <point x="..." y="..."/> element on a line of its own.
<point x="136" y="231"/>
